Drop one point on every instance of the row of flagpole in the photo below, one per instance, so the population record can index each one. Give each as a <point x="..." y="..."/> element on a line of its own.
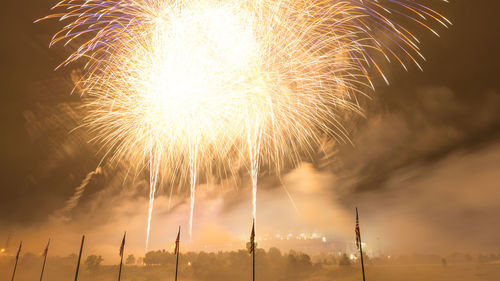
<point x="251" y="250"/>
<point x="122" y="248"/>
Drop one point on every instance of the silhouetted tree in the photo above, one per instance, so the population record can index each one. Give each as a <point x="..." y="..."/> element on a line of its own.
<point x="159" y="258"/>
<point x="298" y="266"/>
<point x="468" y="257"/>
<point x="130" y="259"/>
<point x="92" y="262"/>
<point x="274" y="253"/>
<point x="344" y="260"/>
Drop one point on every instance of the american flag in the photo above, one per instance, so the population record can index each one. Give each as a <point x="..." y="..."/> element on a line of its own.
<point x="252" y="239"/>
<point x="44" y="254"/>
<point x="177" y="241"/>
<point x="122" y="247"/>
<point x="358" y="233"/>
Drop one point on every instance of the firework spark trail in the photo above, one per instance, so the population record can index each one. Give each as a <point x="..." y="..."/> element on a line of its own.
<point x="271" y="77"/>
<point x="193" y="164"/>
<point x="153" y="181"/>
<point x="254" y="141"/>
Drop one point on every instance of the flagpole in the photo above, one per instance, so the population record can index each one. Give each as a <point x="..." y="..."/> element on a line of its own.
<point x="45" y="253"/>
<point x="122" y="253"/>
<point x="253" y="247"/>
<point x="79" y="258"/>
<point x="177" y="252"/>
<point x="17" y="258"/>
<point x="360" y="248"/>
<point x="253" y="265"/>
<point x="120" y="271"/>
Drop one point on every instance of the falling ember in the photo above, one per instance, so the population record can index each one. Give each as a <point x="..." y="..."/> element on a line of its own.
<point x="253" y="147"/>
<point x="182" y="86"/>
<point x="153" y="181"/>
<point x="192" y="182"/>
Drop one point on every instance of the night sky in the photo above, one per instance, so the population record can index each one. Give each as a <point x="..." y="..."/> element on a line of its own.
<point x="424" y="164"/>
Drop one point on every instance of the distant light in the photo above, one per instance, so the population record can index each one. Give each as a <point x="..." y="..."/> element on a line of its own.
<point x="352" y="257"/>
<point x="314" y="235"/>
<point x="189" y="263"/>
<point x="2" y="250"/>
<point x="323" y="239"/>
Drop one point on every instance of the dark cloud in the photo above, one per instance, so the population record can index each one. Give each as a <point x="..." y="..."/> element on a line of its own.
<point x="420" y="130"/>
<point x="450" y="205"/>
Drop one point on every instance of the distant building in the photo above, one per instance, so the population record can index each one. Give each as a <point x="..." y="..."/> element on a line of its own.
<point x="311" y="243"/>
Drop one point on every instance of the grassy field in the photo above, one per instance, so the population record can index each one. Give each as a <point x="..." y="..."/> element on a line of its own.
<point x="414" y="272"/>
<point x="462" y="272"/>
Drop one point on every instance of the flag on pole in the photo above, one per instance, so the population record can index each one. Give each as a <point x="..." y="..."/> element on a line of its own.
<point x="45" y="252"/>
<point x="176" y="249"/>
<point x="176" y="252"/>
<point x="122" y="247"/>
<point x="252" y="239"/>
<point x="359" y="244"/>
<point x="358" y="233"/>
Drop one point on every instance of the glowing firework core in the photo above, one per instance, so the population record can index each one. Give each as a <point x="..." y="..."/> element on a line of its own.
<point x="199" y="71"/>
<point x="190" y="86"/>
<point x="201" y="80"/>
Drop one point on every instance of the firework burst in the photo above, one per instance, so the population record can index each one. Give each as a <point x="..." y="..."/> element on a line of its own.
<point x="191" y="87"/>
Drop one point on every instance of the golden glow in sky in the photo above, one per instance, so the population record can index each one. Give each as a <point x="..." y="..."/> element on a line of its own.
<point x="200" y="87"/>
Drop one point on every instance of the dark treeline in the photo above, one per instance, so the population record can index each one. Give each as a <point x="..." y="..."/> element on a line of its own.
<point x="271" y="265"/>
<point x="236" y="265"/>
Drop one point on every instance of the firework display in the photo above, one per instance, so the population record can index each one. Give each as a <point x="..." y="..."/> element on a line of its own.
<point x="190" y="87"/>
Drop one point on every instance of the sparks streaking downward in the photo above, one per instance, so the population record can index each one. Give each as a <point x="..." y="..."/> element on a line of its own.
<point x="191" y="87"/>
